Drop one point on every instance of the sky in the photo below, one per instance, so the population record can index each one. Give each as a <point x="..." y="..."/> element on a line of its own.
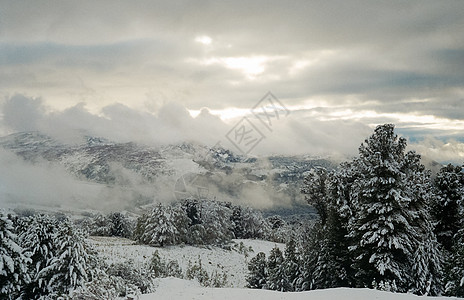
<point x="166" y="71"/>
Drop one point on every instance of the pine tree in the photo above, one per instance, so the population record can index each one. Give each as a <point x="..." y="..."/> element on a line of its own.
<point x="454" y="268"/>
<point x="450" y="216"/>
<point x="101" y="226"/>
<point x="449" y="189"/>
<point x="327" y="262"/>
<point x="191" y="208"/>
<point x="257" y="268"/>
<point x="13" y="263"/>
<point x="166" y="225"/>
<point x="291" y="264"/>
<point x="389" y="221"/>
<point x="427" y="259"/>
<point x="215" y="219"/>
<point x="120" y="225"/>
<point x="254" y="224"/>
<point x="237" y="222"/>
<point x="39" y="243"/>
<point x="277" y="279"/>
<point x="139" y="230"/>
<point x="315" y="192"/>
<point x="74" y="263"/>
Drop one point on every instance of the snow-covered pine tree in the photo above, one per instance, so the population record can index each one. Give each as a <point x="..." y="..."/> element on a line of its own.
<point x="322" y="266"/>
<point x="139" y="229"/>
<point x="427" y="259"/>
<point x="166" y="225"/>
<point x="192" y="209"/>
<point x="215" y="219"/>
<point x="120" y="225"/>
<point x="254" y="224"/>
<point x="101" y="226"/>
<point x="291" y="264"/>
<point x="308" y="259"/>
<point x="237" y="222"/>
<point x="279" y="230"/>
<point x="13" y="263"/>
<point x="257" y="276"/>
<point x="74" y="263"/>
<point x="277" y="279"/>
<point x="247" y="223"/>
<point x="314" y="188"/>
<point x="451" y="186"/>
<point x="39" y="243"/>
<point x="449" y="190"/>
<point x="454" y="268"/>
<point x="326" y="260"/>
<point x="385" y="226"/>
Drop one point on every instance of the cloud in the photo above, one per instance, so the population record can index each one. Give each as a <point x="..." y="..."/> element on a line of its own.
<point x="107" y="52"/>
<point x="129" y="71"/>
<point x="336" y="131"/>
<point x="22" y="113"/>
<point x="172" y="123"/>
<point x="451" y="151"/>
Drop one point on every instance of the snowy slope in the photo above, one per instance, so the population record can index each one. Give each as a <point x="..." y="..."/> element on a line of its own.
<point x="214" y="259"/>
<point x="178" y="289"/>
<point x="233" y="263"/>
<point x="144" y="173"/>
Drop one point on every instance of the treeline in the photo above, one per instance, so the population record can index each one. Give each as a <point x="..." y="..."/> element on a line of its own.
<point x="384" y="223"/>
<point x="192" y="222"/>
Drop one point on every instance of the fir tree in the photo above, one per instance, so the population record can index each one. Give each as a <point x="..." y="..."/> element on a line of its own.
<point x="449" y="189"/>
<point x="277" y="279"/>
<point x="237" y="222"/>
<point x="166" y="225"/>
<point x="454" y="268"/>
<point x="427" y="261"/>
<point x="191" y="208"/>
<point x="140" y="225"/>
<point x="215" y="219"/>
<point x="291" y="264"/>
<point x="39" y="243"/>
<point x="327" y="262"/>
<point x="389" y="220"/>
<point x="315" y="192"/>
<point x="13" y="263"/>
<point x="74" y="263"/>
<point x="257" y="268"/>
<point x="101" y="226"/>
<point x="120" y="225"/>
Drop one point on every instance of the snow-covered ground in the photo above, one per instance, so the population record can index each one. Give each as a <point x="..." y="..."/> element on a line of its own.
<point x="179" y="289"/>
<point x="214" y="259"/>
<point x="233" y="263"/>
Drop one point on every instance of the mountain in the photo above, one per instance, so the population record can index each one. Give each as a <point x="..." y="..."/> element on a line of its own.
<point x="171" y="172"/>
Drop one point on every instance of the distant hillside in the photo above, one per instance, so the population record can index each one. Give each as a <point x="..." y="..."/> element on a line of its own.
<point x="170" y="172"/>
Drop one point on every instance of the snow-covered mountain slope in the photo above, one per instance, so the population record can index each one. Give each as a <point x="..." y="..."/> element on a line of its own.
<point x="232" y="262"/>
<point x="148" y="173"/>
<point x="179" y="289"/>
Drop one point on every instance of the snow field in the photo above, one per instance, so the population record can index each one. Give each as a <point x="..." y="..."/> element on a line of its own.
<point x="179" y="289"/>
<point x="213" y="259"/>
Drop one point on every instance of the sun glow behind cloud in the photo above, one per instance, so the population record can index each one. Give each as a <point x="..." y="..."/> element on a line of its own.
<point x="250" y="66"/>
<point x="204" y="39"/>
